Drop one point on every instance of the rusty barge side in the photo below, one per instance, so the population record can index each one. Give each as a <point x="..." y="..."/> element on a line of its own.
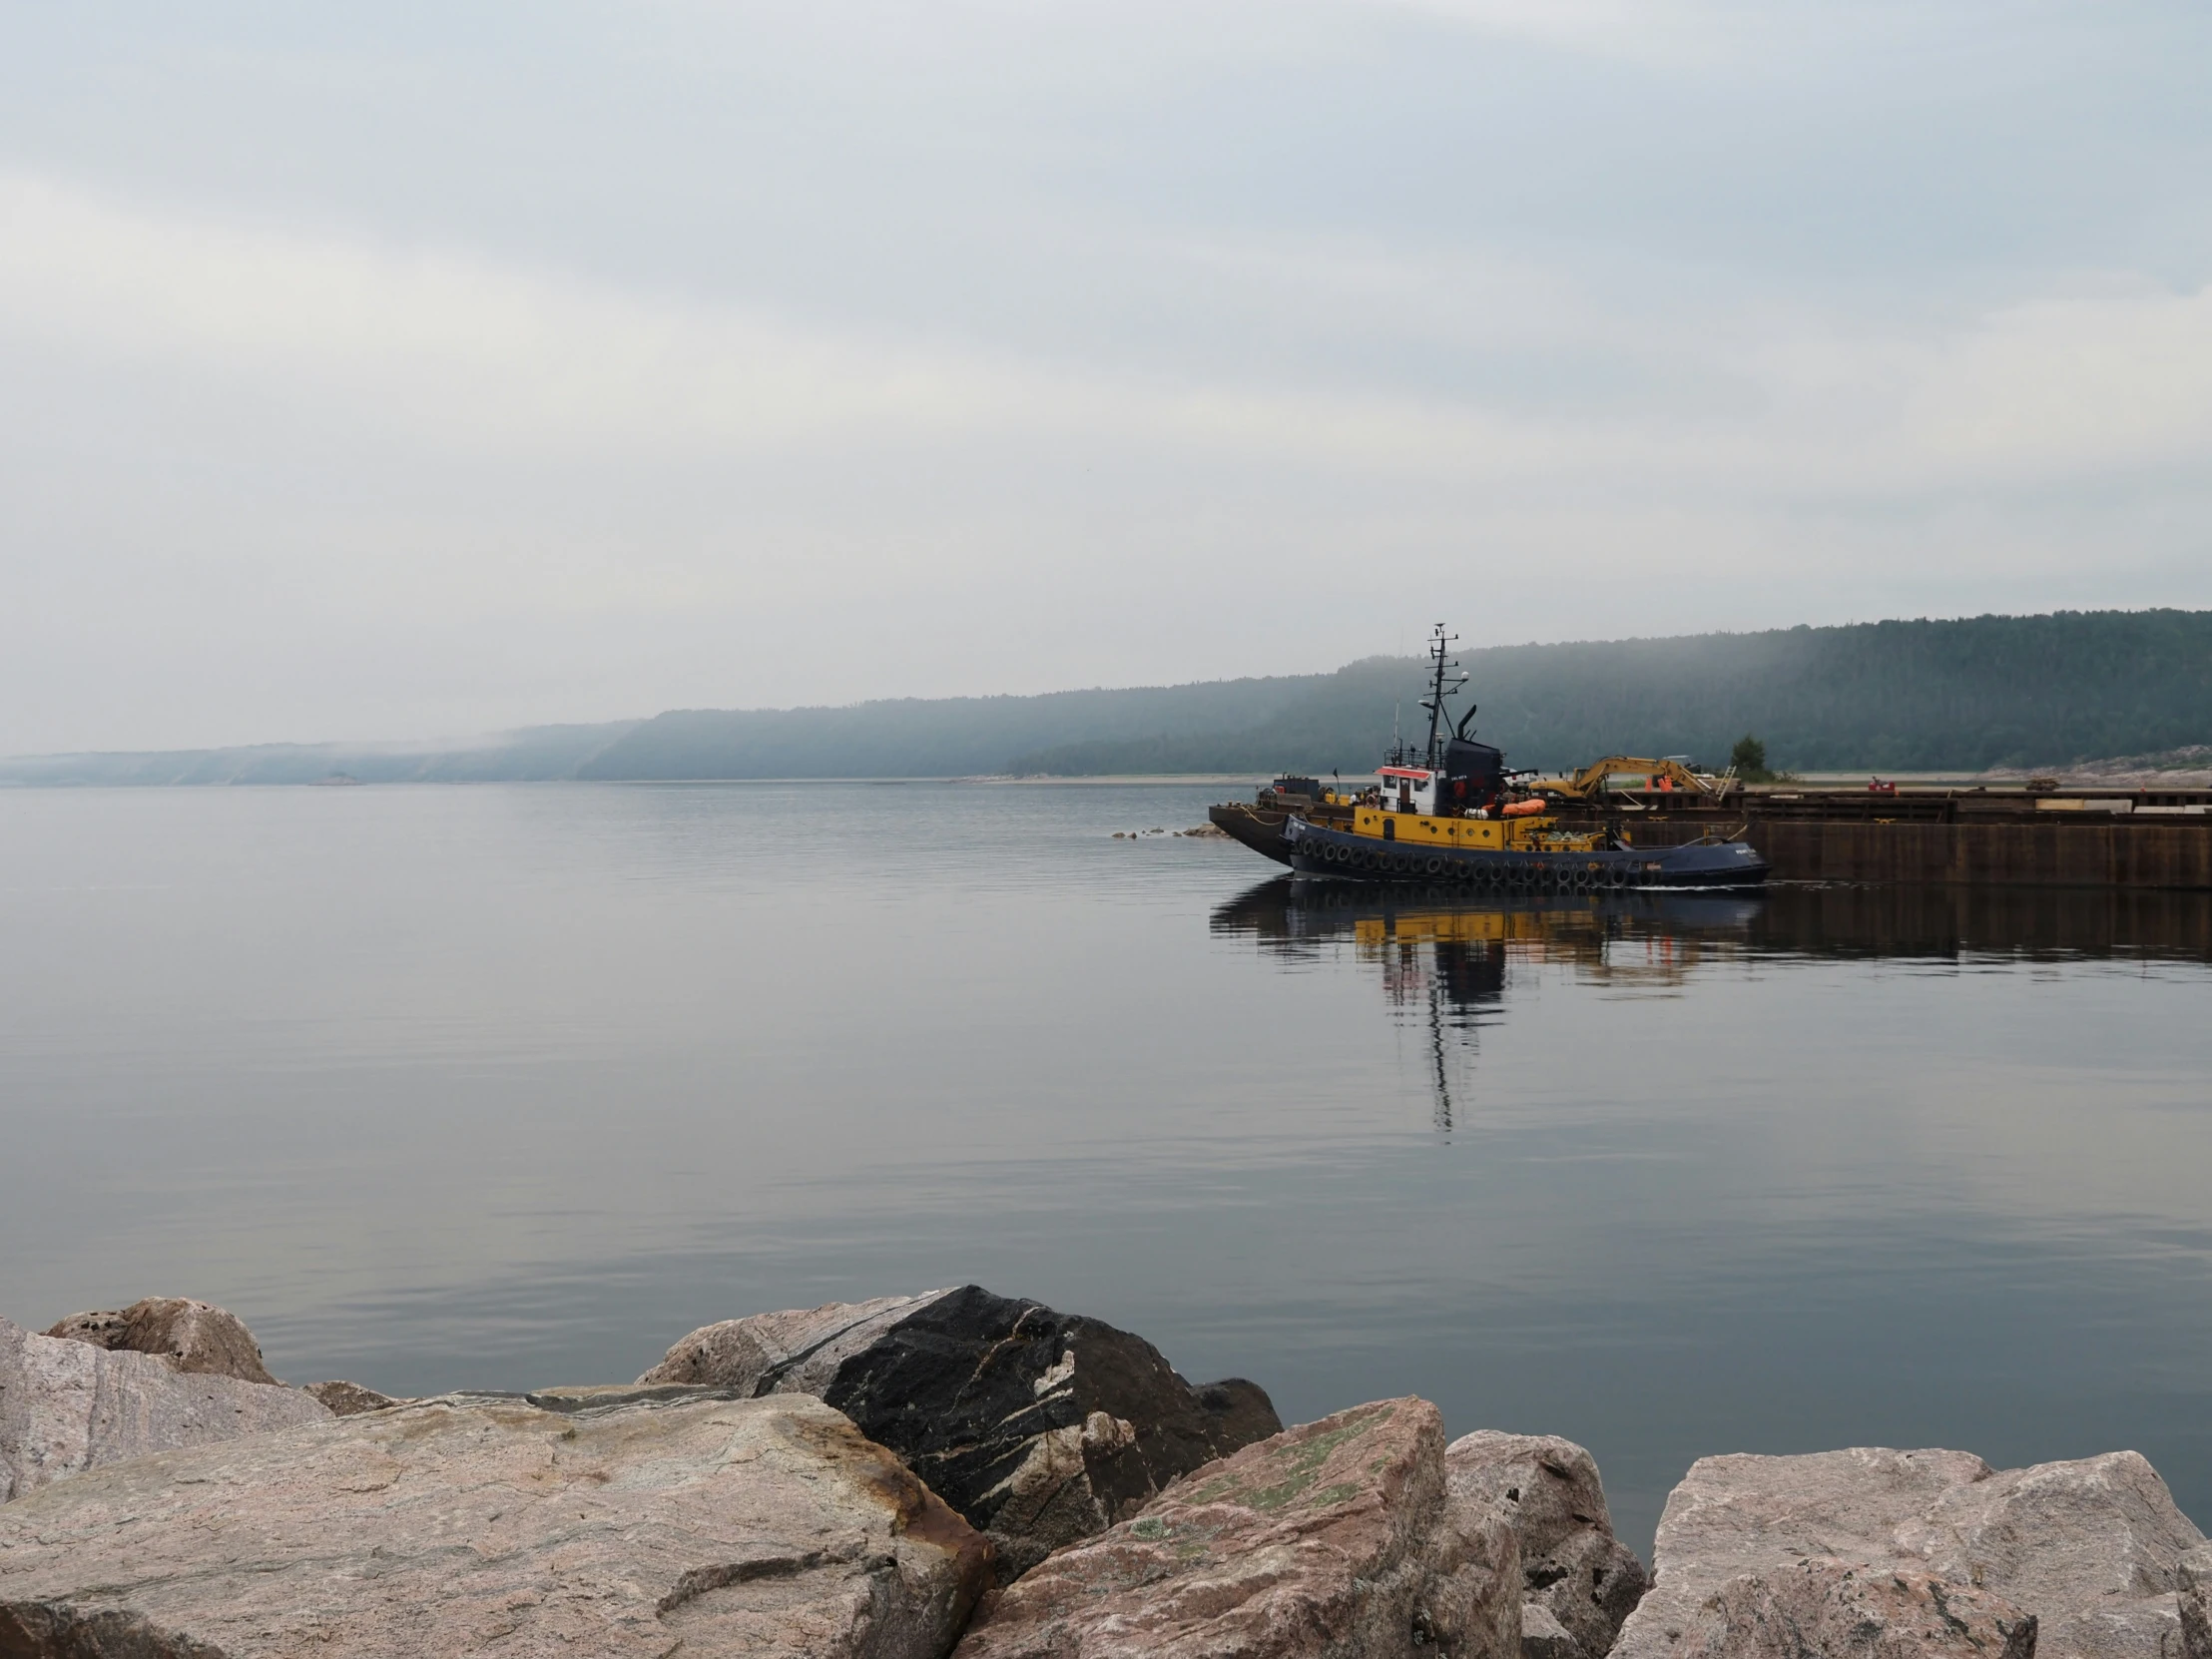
<point x="2047" y="854"/>
<point x="2082" y="837"/>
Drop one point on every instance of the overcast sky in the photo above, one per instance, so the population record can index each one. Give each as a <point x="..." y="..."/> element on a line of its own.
<point x="402" y="371"/>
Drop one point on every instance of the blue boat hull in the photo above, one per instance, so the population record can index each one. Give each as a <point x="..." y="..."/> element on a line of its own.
<point x="1315" y="851"/>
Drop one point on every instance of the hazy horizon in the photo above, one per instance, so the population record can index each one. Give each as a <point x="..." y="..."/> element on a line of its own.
<point x="2134" y="683"/>
<point x="462" y="368"/>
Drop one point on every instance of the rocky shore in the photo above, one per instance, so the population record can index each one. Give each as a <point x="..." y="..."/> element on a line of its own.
<point x="963" y="1473"/>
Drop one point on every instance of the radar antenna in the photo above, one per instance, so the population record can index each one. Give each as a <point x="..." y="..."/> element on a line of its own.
<point x="1445" y="684"/>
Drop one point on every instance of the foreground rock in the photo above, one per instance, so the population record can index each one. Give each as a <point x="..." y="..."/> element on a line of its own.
<point x="2195" y="1573"/>
<point x="2090" y="1550"/>
<point x="1039" y="1428"/>
<point x="67" y="1407"/>
<point x="1826" y="1606"/>
<point x="1578" y="1581"/>
<point x="1336" y="1537"/>
<point x="195" y="1337"/>
<point x="459" y="1526"/>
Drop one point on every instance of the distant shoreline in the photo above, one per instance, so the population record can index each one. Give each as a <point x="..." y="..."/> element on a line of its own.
<point x="1978" y="699"/>
<point x="1238" y="779"/>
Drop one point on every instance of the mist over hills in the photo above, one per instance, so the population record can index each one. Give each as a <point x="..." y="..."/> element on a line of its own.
<point x="1888" y="695"/>
<point x="937" y="737"/>
<point x="534" y="754"/>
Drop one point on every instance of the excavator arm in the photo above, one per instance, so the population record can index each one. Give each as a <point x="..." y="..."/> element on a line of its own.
<point x="1629" y="772"/>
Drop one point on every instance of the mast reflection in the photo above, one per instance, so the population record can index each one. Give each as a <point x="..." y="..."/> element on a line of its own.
<point x="1446" y="963"/>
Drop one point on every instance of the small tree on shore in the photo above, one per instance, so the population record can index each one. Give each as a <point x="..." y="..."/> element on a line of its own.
<point x="1748" y="758"/>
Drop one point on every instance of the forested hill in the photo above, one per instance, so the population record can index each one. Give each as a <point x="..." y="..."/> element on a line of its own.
<point x="1886" y="696"/>
<point x="940" y="738"/>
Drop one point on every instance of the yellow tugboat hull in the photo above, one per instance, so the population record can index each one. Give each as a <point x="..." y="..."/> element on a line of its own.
<point x="1512" y="835"/>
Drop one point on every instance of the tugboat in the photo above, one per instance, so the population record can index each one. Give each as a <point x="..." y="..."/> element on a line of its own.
<point x="1454" y="813"/>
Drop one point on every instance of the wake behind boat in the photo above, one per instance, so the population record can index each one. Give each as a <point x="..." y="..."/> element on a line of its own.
<point x="1455" y="814"/>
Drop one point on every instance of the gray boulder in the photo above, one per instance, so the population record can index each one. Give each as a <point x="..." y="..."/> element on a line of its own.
<point x="2195" y="1573"/>
<point x="195" y="1337"/>
<point x="2090" y="1548"/>
<point x="1542" y="1636"/>
<point x="67" y="1406"/>
<point x="1333" y="1540"/>
<point x="1039" y="1428"/>
<point x="1579" y="1582"/>
<point x="457" y="1526"/>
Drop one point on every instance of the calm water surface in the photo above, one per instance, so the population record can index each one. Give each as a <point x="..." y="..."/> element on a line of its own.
<point x="511" y="1086"/>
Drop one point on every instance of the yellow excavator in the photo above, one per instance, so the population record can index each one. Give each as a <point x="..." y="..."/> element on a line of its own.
<point x="1634" y="774"/>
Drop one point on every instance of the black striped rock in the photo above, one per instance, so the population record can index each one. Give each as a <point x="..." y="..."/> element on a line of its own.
<point x="1039" y="1428"/>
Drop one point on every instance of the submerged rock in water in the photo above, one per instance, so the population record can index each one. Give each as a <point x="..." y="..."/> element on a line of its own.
<point x="1336" y="1537"/>
<point x="1039" y="1428"/>
<point x="2091" y="1548"/>
<point x="69" y="1407"/>
<point x="196" y="1336"/>
<point x="461" y="1527"/>
<point x="1577" y="1577"/>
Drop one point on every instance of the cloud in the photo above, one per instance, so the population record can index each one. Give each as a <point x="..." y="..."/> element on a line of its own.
<point x="2078" y="385"/>
<point x="1650" y="31"/>
<point x="462" y="350"/>
<point x="944" y="365"/>
<point x="488" y="359"/>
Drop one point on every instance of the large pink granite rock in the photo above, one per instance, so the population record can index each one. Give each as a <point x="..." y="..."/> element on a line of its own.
<point x="67" y="1406"/>
<point x="195" y="1337"/>
<point x="1335" y="1538"/>
<point x="469" y="1526"/>
<point x="1839" y="1610"/>
<point x="2091" y="1548"/>
<point x="1578" y="1581"/>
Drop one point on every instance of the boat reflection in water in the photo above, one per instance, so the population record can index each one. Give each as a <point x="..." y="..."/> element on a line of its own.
<point x="1446" y="963"/>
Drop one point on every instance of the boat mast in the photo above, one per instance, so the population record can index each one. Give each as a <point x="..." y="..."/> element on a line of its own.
<point x="1434" y="701"/>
